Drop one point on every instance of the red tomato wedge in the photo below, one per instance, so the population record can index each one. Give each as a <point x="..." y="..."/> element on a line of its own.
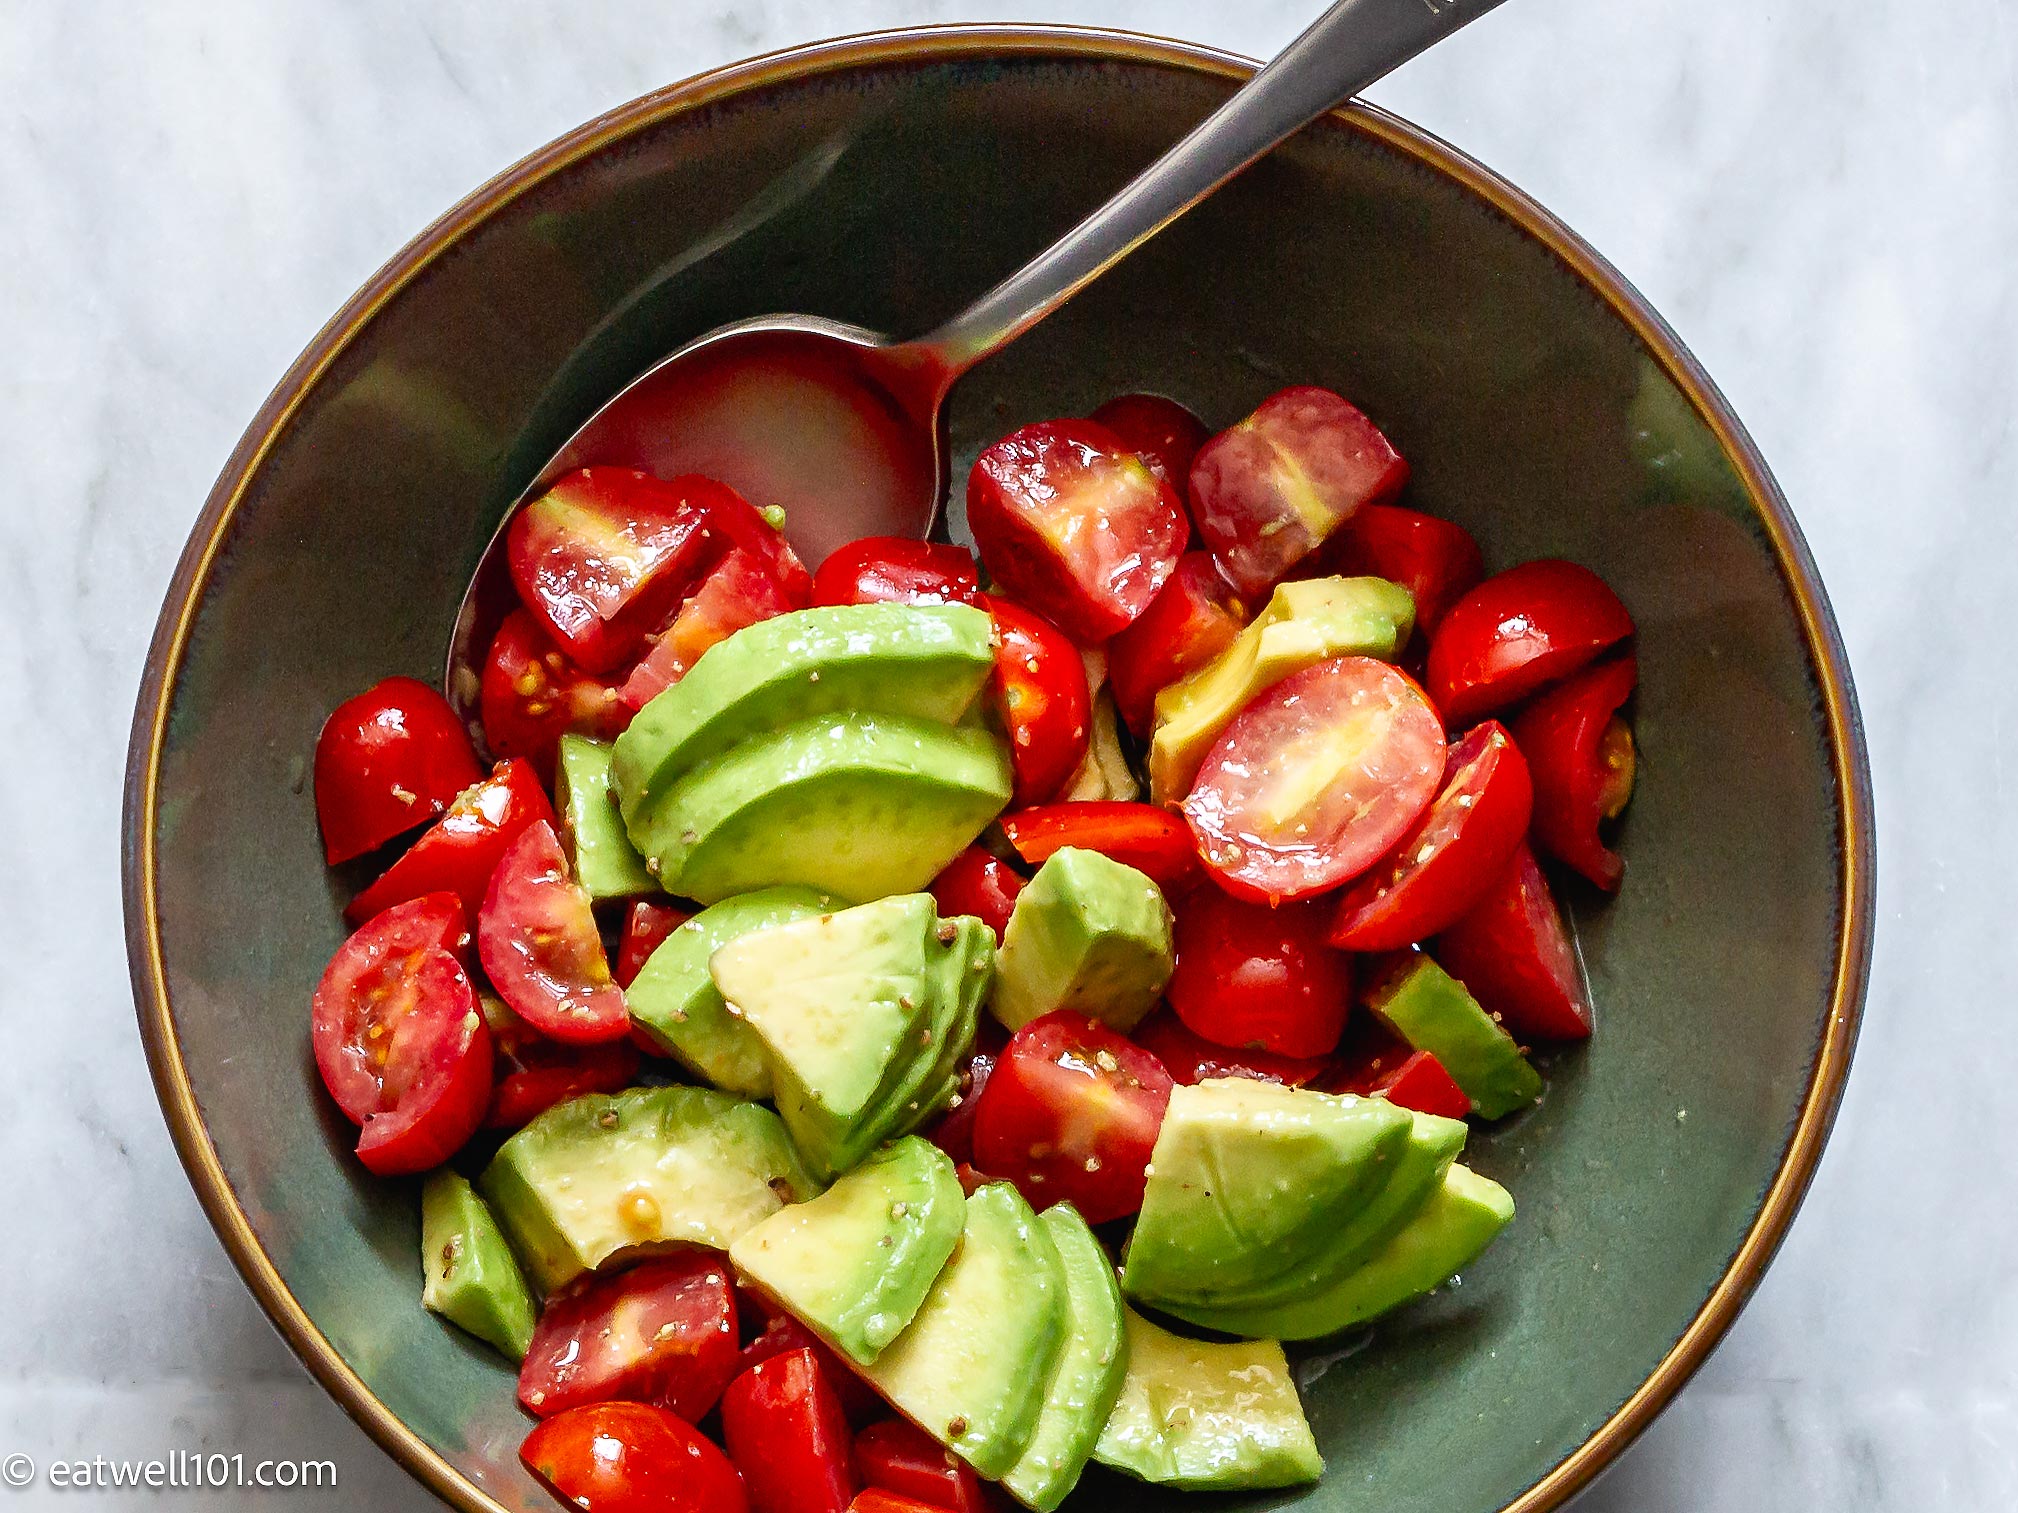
<point x="1444" y="865"/>
<point x="662" y="1332"/>
<point x="458" y="853"/>
<point x="537" y="939"/>
<point x="1266" y="492"/>
<point x="1315" y="780"/>
<point x="1070" y="1115"/>
<point x="876" y="1500"/>
<point x="781" y="1334"/>
<point x="899" y="1462"/>
<point x="953" y="1131"/>
<point x="1151" y="840"/>
<point x="1248" y="975"/>
<point x="532" y="695"/>
<point x="1191" y="620"/>
<point x="1379" y="1064"/>
<point x="1518" y="631"/>
<point x="897" y="570"/>
<point x="1075" y="525"/>
<point x="1160" y="431"/>
<point x="740" y="591"/>
<point x="646" y="926"/>
<point x="1191" y="1059"/>
<point x="1514" y="953"/>
<point x="1582" y="755"/>
<point x="1042" y="698"/>
<point x="632" y="1458"/>
<point x="387" y="760"/>
<point x="979" y="883"/>
<point x="535" y="1075"/>
<point x="1435" y="560"/>
<point x="783" y="1426"/>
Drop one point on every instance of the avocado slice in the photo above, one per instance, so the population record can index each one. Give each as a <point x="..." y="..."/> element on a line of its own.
<point x="470" y="1277"/>
<point x="1087" y="1379"/>
<point x="1302" y="624"/>
<point x="1104" y="772"/>
<point x="601" y="853"/>
<point x="854" y="1264"/>
<point x="858" y="805"/>
<point x="675" y="1002"/>
<point x="1430" y="1009"/>
<point x="1208" y="1417"/>
<point x="1248" y="1179"/>
<point x="1090" y="934"/>
<point x="972" y="1369"/>
<point x="926" y="661"/>
<point x="603" y="1177"/>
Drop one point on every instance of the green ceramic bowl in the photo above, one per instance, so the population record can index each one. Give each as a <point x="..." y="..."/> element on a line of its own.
<point x="885" y="181"/>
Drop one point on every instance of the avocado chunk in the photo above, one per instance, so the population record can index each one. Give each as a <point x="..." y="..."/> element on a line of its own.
<point x="1250" y="1178"/>
<point x="1104" y="772"/>
<point x="1087" y="1378"/>
<point x="1303" y="624"/>
<point x="598" y="848"/>
<point x="972" y="1369"/>
<point x="605" y="1177"/>
<point x="676" y="1004"/>
<point x="929" y="662"/>
<point x="858" y="805"/>
<point x="1430" y="1009"/>
<point x="854" y="1264"/>
<point x="471" y="1278"/>
<point x="1208" y="1417"/>
<point x="1090" y="934"/>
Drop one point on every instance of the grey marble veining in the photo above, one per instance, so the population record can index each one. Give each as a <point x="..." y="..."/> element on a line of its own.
<point x="1824" y="201"/>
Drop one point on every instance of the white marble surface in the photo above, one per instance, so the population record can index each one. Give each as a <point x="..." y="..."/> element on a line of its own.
<point x="1824" y="200"/>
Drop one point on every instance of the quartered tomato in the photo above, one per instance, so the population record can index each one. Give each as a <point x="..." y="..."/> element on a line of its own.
<point x="662" y="1332"/>
<point x="1266" y="492"/>
<point x="1070" y="1115"/>
<point x="1514" y="953"/>
<point x="897" y="570"/>
<point x="537" y="939"/>
<point x="398" y="1038"/>
<point x="460" y="851"/>
<point x="780" y="1334"/>
<point x="646" y="926"/>
<point x="1435" y="560"/>
<point x="784" y="1428"/>
<point x="876" y="1500"/>
<point x="742" y="589"/>
<point x="1075" y="525"/>
<point x="1191" y="1058"/>
<point x="1252" y="976"/>
<point x="1315" y="779"/>
<point x="1518" y="631"/>
<point x="1151" y="840"/>
<point x="387" y="760"/>
<point x="908" y="1467"/>
<point x="534" y="1075"/>
<point x="1041" y="695"/>
<point x="979" y="883"/>
<point x="1160" y="431"/>
<point x="1444" y="865"/>
<point x="1582" y="756"/>
<point x="1191" y="620"/>
<point x="1380" y="1065"/>
<point x="632" y="1458"/>
<point x="532" y="695"/>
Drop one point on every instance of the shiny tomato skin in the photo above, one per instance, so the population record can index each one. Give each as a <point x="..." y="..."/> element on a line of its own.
<point x="663" y="1331"/>
<point x="1160" y="431"/>
<point x="1041" y="695"/>
<point x="1068" y="1094"/>
<point x="740" y="590"/>
<point x="647" y="923"/>
<point x="458" y="853"/>
<point x="1519" y="631"/>
<point x="534" y="1076"/>
<point x="1436" y="560"/>
<point x="1252" y="977"/>
<point x="876" y="1500"/>
<point x="953" y="1131"/>
<point x="391" y="758"/>
<point x="532" y="695"/>
<point x="979" y="883"/>
<point x="536" y="936"/>
<point x="784" y="1428"/>
<point x="899" y="1461"/>
<point x="1378" y="1064"/>
<point x="632" y="1458"/>
<point x="1191" y="1059"/>
<point x="1152" y="840"/>
<point x="1192" y="619"/>
<point x="1445" y="863"/>
<point x="1515" y="955"/>
<point x="376" y="963"/>
<point x="781" y="1334"/>
<point x="897" y="570"/>
<point x="1563" y="732"/>
<point x="1073" y="524"/>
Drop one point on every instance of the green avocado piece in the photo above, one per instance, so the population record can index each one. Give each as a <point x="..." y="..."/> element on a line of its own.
<point x="1087" y="1379"/>
<point x="926" y="661"/>
<point x="604" y="1177"/>
<point x="471" y="1278"/>
<point x="1208" y="1417"/>
<point x="972" y="1369"/>
<point x="601" y="853"/>
<point x="1103" y="773"/>
<point x="1430" y="1009"/>
<point x="1446" y="1234"/>
<point x="858" y="805"/>
<point x="1248" y="1179"/>
<point x="675" y="1002"/>
<point x="1090" y="934"/>
<point x="1302" y="624"/>
<point x="854" y="1264"/>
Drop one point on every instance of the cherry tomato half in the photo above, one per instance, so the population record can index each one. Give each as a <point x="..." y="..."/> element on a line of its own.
<point x="1514" y="953"/>
<point x="742" y="589"/>
<point x="1435" y="560"/>
<point x="1582" y="755"/>
<point x="901" y="1462"/>
<point x="1042" y="697"/>
<point x="1192" y="620"/>
<point x="662" y="1332"/>
<point x="1151" y="840"/>
<point x="534" y="1075"/>
<point x="393" y="757"/>
<point x="632" y="1458"/>
<point x="1378" y="1064"/>
<point x="1519" y="631"/>
<point x="897" y="570"/>
<point x="784" y="1428"/>
<point x="458" y="853"/>
<point x="979" y="883"/>
<point x="646" y="926"/>
<point x="1160" y="431"/>
<point x="1253" y="976"/>
<point x="532" y="695"/>
<point x="1191" y="1059"/>
<point x="780" y="1334"/>
<point x="876" y="1500"/>
<point x="536" y="936"/>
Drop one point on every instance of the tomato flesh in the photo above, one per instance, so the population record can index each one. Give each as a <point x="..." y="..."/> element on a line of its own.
<point x="1191" y="620"/>
<point x="897" y="570"/>
<point x="1251" y="976"/>
<point x="393" y="757"/>
<point x="536" y="936"/>
<point x="742" y="589"/>
<point x="1381" y="1065"/>
<point x="1042" y="698"/>
<point x="979" y="883"/>
<point x="1151" y="840"/>
<point x="532" y="695"/>
<point x="1582" y="760"/>
<point x="632" y="1458"/>
<point x="1160" y="431"/>
<point x="1191" y="1059"/>
<point x="906" y="1466"/>
<point x="662" y="1332"/>
<point x="458" y="853"/>
<point x="1519" y="631"/>
<point x="1437" y="561"/>
<point x="534" y="1076"/>
<point x="1513" y="951"/>
<point x="646" y="926"/>
<point x="781" y="1334"/>
<point x="784" y="1429"/>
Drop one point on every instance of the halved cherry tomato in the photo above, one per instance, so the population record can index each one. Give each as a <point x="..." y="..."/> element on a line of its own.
<point x="897" y="570"/>
<point x="1444" y="865"/>
<point x="742" y="589"/>
<point x="535" y="1075"/>
<point x="662" y="1332"/>
<point x="1582" y="755"/>
<point x="1160" y="431"/>
<point x="1070" y="1115"/>
<point x="1518" y="631"/>
<point x="1266" y="492"/>
<point x="1191" y="1059"/>
<point x="979" y="883"/>
<point x="953" y="1131"/>
<point x="537" y="939"/>
<point x="783" y="1426"/>
<point x="1252" y="976"/>
<point x="393" y="757"/>
<point x="1435" y="560"/>
<point x="1378" y="1064"/>
<point x="1151" y="840"/>
<point x="1514" y="953"/>
<point x="780" y="1334"/>
<point x="1313" y="781"/>
<point x="876" y="1500"/>
<point x="532" y="695"/>
<point x="458" y="853"/>
<point x="1075" y="525"/>
<point x="632" y="1458"/>
<point x="900" y="1461"/>
<point x="646" y="926"/>
<point x="1041" y="695"/>
<point x="1191" y="620"/>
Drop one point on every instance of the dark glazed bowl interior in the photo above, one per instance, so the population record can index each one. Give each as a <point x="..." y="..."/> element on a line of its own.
<point x="885" y="182"/>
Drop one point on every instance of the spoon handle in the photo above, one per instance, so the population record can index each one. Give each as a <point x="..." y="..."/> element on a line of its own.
<point x="1346" y="49"/>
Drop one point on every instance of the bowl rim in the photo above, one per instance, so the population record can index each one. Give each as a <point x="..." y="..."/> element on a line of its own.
<point x="947" y="43"/>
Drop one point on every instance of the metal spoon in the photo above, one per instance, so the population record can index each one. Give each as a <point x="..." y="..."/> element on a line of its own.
<point x="867" y="454"/>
